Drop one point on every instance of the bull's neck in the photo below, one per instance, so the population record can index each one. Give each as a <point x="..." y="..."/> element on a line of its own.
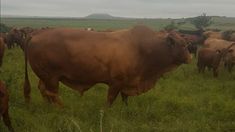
<point x="162" y="63"/>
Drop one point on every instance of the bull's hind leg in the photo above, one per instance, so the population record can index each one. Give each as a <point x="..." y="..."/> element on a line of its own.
<point x="49" y="90"/>
<point x="7" y="121"/>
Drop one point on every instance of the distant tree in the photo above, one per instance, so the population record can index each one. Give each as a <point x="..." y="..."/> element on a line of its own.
<point x="4" y="28"/>
<point x="171" y="26"/>
<point x="181" y="22"/>
<point x="201" y="22"/>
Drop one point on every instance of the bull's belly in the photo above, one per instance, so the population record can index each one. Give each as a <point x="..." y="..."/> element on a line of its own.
<point x="80" y="85"/>
<point x="138" y="88"/>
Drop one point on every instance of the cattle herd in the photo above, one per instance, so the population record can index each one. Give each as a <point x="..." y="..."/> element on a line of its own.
<point x="130" y="61"/>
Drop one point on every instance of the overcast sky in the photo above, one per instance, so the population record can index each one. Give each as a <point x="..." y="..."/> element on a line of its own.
<point x="123" y="8"/>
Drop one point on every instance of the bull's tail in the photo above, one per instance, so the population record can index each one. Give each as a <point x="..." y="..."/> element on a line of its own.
<point x="27" y="87"/>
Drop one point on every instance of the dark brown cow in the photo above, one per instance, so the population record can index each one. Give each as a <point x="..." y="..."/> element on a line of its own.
<point x="16" y="36"/>
<point x="13" y="38"/>
<point x="211" y="58"/>
<point x="4" y="99"/>
<point x="2" y="47"/>
<point x="129" y="61"/>
<point x="193" y="42"/>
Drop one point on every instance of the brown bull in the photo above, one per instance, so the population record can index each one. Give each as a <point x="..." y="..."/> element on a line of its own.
<point x="129" y="61"/>
<point x="2" y="47"/>
<point x="211" y="58"/>
<point x="4" y="99"/>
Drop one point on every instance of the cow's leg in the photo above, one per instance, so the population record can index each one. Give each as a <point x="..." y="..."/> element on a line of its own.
<point x="51" y="91"/>
<point x="112" y="95"/>
<point x="215" y="72"/>
<point x="124" y="98"/>
<point x="7" y="121"/>
<point x="230" y="67"/>
<point x="199" y="66"/>
<point x="199" y="69"/>
<point x="203" y="69"/>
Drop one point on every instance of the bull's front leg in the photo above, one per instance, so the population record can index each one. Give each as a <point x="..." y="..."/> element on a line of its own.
<point x="124" y="98"/>
<point x="112" y="94"/>
<point x="7" y="121"/>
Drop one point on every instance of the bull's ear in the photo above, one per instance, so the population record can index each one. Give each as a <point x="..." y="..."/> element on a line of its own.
<point x="170" y="40"/>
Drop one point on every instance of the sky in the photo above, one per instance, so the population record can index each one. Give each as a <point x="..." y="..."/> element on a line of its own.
<point x="121" y="8"/>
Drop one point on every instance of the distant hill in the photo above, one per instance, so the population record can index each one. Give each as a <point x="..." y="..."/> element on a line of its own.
<point x="101" y="16"/>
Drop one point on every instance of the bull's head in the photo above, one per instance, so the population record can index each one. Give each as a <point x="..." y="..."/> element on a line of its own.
<point x="178" y="48"/>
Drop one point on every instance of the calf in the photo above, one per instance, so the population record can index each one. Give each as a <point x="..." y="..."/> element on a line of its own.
<point x="4" y="98"/>
<point x="211" y="58"/>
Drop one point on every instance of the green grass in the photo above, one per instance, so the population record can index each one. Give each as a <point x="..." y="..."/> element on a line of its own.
<point x="83" y="23"/>
<point x="223" y="23"/>
<point x="182" y="100"/>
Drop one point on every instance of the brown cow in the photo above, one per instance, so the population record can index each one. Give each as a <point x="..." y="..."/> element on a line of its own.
<point x="129" y="61"/>
<point x="193" y="42"/>
<point x="16" y="36"/>
<point x="4" y="99"/>
<point x="229" y="61"/>
<point x="212" y="34"/>
<point x="211" y="58"/>
<point x="219" y="44"/>
<point x="13" y="37"/>
<point x="2" y="47"/>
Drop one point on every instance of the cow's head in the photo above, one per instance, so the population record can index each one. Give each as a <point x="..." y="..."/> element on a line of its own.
<point x="178" y="48"/>
<point x="14" y="36"/>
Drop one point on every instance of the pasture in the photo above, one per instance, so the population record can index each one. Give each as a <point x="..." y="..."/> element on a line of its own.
<point x="182" y="100"/>
<point x="223" y="23"/>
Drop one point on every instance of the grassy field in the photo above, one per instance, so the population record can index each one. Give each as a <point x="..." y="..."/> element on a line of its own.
<point x="84" y="23"/>
<point x="223" y="23"/>
<point x="182" y="101"/>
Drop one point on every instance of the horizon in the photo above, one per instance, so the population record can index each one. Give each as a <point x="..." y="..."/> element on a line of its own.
<point x="86" y="16"/>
